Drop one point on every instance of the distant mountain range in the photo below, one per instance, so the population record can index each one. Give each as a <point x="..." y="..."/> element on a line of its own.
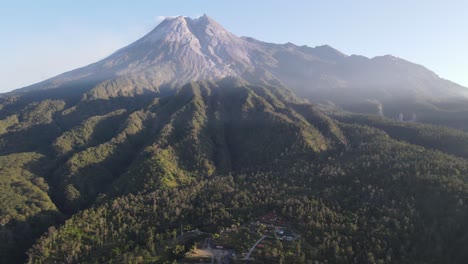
<point x="192" y="128"/>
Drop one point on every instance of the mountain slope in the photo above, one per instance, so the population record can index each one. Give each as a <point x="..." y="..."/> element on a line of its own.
<point x="260" y="149"/>
<point x="94" y="150"/>
<point x="377" y="201"/>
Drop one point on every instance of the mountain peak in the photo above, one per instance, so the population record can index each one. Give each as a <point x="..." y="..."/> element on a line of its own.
<point x="183" y="49"/>
<point x="186" y="29"/>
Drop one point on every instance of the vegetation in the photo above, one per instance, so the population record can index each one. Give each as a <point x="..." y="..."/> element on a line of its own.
<point x="127" y="173"/>
<point x="26" y="210"/>
<point x="441" y="138"/>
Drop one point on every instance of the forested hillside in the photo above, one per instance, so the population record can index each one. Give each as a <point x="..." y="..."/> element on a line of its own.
<point x="374" y="201"/>
<point x="113" y="180"/>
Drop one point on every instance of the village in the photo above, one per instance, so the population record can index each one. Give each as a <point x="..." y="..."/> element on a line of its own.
<point x="259" y="241"/>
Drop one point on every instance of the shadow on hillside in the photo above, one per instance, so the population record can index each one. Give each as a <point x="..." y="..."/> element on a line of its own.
<point x="17" y="237"/>
<point x="36" y="138"/>
<point x="85" y="109"/>
<point x="40" y="137"/>
<point x="96" y="178"/>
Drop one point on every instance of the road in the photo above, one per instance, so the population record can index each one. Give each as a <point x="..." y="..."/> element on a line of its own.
<point x="253" y="247"/>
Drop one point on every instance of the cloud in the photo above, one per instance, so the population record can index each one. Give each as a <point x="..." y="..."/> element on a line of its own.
<point x="160" y="19"/>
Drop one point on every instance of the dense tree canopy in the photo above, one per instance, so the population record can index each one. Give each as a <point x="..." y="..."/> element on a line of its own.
<point x="113" y="181"/>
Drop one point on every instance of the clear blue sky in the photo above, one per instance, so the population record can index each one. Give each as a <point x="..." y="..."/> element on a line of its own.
<point x="40" y="39"/>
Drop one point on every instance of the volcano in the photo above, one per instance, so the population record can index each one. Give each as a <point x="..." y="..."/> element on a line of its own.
<point x="192" y="133"/>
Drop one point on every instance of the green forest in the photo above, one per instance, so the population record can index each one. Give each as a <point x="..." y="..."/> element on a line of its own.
<point x="114" y="180"/>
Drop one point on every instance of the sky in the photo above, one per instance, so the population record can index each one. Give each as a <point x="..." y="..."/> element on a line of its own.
<point x="41" y="39"/>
